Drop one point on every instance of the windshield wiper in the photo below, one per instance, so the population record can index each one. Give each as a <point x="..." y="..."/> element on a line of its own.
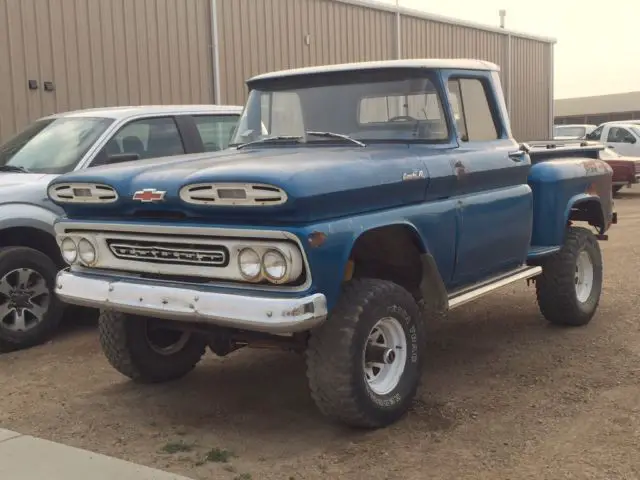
<point x="278" y="139"/>
<point x="336" y="135"/>
<point x="13" y="168"/>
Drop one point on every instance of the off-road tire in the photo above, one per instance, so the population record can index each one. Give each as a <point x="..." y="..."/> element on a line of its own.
<point x="335" y="354"/>
<point x="124" y="342"/>
<point x="14" y="258"/>
<point x="555" y="287"/>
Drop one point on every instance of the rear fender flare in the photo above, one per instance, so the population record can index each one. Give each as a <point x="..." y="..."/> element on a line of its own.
<point x="582" y="200"/>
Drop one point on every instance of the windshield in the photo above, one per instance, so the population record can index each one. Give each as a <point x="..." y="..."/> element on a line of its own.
<point x="636" y="130"/>
<point x="367" y="107"/>
<point x="570" y="131"/>
<point x="52" y="145"/>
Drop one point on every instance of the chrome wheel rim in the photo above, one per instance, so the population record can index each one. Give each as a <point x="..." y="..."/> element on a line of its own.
<point x="385" y="356"/>
<point x="584" y="276"/>
<point x="24" y="300"/>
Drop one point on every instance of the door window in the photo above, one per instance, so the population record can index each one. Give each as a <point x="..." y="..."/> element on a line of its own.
<point x="595" y="135"/>
<point x="472" y="110"/>
<point x="141" y="139"/>
<point x="215" y="130"/>
<point x="620" y="135"/>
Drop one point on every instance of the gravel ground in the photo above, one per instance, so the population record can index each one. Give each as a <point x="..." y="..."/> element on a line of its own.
<point x="506" y="396"/>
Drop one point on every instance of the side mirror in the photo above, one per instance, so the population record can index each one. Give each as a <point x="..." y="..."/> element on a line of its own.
<point x="122" y="157"/>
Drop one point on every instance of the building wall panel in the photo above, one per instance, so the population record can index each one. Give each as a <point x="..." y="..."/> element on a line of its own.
<point x="531" y="89"/>
<point x="101" y="53"/>
<point x="258" y="36"/>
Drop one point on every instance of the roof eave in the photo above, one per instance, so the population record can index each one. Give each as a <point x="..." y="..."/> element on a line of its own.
<point x="410" y="12"/>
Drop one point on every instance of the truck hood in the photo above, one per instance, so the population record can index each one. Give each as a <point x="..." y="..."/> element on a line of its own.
<point x="320" y="182"/>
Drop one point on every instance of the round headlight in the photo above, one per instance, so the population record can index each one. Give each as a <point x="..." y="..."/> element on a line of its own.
<point x="249" y="263"/>
<point x="87" y="252"/>
<point x="275" y="265"/>
<point x="69" y="250"/>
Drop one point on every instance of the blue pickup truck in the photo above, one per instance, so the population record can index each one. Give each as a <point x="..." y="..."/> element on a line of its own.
<point x="355" y="204"/>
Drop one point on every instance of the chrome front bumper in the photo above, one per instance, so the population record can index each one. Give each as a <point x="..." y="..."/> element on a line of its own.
<point x="262" y="314"/>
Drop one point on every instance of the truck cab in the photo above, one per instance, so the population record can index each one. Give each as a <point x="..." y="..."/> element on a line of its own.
<point x="357" y="202"/>
<point x="622" y="137"/>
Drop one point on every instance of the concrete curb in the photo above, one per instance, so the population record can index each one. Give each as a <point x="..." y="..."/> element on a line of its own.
<point x="23" y="457"/>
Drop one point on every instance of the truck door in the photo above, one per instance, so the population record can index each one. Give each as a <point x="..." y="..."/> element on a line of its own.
<point x="495" y="209"/>
<point x="623" y="141"/>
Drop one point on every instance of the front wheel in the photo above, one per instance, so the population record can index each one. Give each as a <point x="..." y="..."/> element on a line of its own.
<point x="570" y="286"/>
<point x="365" y="362"/>
<point x="145" y="351"/>
<point x="30" y="312"/>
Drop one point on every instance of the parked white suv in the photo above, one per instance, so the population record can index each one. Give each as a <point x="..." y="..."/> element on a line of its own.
<point x="29" y="255"/>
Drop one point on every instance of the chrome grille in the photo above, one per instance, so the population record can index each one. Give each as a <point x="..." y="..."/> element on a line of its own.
<point x="171" y="253"/>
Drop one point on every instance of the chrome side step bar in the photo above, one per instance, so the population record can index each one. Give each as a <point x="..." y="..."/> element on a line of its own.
<point x="481" y="289"/>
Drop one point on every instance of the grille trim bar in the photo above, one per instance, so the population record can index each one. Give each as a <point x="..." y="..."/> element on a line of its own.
<point x="214" y="256"/>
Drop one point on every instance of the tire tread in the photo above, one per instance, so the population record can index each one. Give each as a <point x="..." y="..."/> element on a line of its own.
<point x="331" y="385"/>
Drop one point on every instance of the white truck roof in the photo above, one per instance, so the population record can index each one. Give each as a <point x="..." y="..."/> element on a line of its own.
<point x="431" y="63"/>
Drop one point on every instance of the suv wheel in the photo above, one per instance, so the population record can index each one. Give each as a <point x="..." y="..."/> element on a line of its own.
<point x="30" y="312"/>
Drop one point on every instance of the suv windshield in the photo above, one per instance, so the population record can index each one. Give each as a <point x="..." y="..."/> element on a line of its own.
<point x="368" y="107"/>
<point x="52" y="145"/>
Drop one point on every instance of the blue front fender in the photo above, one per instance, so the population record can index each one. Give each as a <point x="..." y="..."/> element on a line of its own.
<point x="328" y="261"/>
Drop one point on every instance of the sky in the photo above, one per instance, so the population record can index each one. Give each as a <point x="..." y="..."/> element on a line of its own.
<point x="596" y="53"/>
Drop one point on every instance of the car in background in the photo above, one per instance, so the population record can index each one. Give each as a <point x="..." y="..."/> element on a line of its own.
<point x="571" y="132"/>
<point x="626" y="170"/>
<point x="623" y="137"/>
<point x="29" y="256"/>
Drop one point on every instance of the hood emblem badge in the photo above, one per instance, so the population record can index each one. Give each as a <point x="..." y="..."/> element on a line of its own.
<point x="149" y="195"/>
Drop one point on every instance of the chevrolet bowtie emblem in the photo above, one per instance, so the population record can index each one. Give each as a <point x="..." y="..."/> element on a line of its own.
<point x="149" y="195"/>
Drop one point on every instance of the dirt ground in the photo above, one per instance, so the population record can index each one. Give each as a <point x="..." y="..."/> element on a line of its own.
<point x="505" y="396"/>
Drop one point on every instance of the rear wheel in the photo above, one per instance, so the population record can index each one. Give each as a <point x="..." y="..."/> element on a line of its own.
<point x="616" y="188"/>
<point x="144" y="350"/>
<point x="365" y="362"/>
<point x="570" y="286"/>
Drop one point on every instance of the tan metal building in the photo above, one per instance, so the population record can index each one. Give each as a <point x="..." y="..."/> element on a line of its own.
<point x="58" y="55"/>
